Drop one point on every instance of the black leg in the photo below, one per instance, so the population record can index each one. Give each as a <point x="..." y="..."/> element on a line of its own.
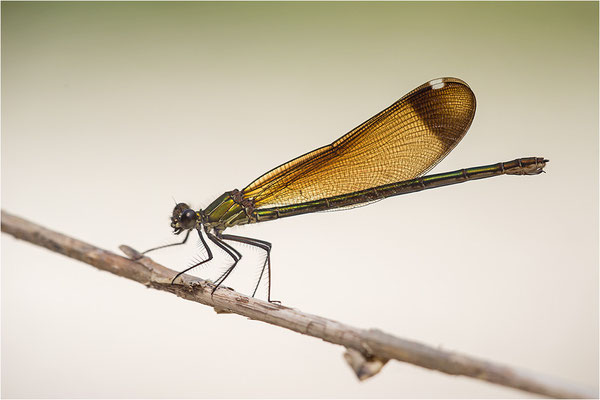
<point x="261" y="244"/>
<point x="233" y="253"/>
<point x="210" y="256"/>
<point x="187" y="235"/>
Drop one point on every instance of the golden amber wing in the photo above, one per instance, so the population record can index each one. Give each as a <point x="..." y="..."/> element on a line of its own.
<point x="402" y="142"/>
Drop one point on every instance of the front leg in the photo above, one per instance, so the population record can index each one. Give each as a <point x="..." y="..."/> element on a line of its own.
<point x="187" y="235"/>
<point x="210" y="256"/>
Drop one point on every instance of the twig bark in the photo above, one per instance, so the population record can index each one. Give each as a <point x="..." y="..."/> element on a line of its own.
<point x="375" y="347"/>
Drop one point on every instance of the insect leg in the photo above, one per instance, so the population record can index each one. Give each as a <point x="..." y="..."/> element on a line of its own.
<point x="210" y="256"/>
<point x="187" y="234"/>
<point x="261" y="244"/>
<point x="233" y="253"/>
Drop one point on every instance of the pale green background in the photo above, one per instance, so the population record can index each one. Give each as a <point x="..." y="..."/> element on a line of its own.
<point x="109" y="109"/>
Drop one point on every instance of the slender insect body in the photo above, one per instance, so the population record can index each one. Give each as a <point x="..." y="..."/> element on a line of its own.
<point x="385" y="156"/>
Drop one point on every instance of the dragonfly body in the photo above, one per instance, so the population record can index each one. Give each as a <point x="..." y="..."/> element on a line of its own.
<point x="385" y="156"/>
<point x="522" y="166"/>
<point x="230" y="209"/>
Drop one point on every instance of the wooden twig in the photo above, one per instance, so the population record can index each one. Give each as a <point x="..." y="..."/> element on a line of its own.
<point x="368" y="349"/>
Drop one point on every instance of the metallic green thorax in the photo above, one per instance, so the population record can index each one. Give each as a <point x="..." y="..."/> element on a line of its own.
<point x="225" y="212"/>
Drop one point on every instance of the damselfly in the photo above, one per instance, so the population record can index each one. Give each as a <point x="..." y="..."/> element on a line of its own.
<point x="385" y="156"/>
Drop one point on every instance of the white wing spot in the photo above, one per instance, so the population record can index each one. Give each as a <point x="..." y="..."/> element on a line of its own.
<point x="437" y="84"/>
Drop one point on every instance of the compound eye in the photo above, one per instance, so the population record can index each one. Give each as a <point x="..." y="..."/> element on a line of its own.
<point x="179" y="209"/>
<point x="188" y="219"/>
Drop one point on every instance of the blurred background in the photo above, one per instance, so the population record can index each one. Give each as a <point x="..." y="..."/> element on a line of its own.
<point x="111" y="110"/>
